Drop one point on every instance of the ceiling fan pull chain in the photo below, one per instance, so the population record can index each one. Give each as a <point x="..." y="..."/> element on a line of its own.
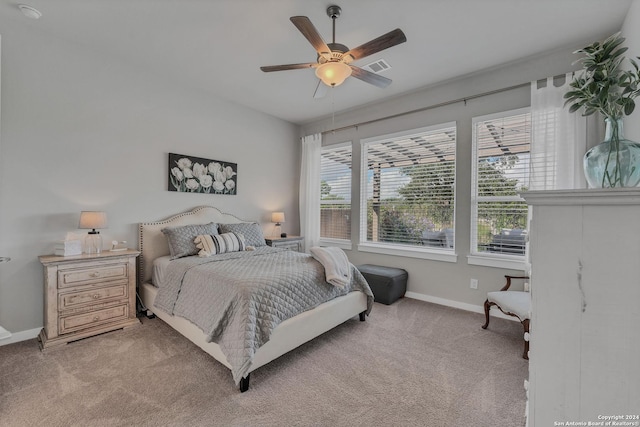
<point x="333" y="109"/>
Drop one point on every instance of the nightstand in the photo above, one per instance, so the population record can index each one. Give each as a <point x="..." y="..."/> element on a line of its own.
<point x="87" y="294"/>
<point x="293" y="243"/>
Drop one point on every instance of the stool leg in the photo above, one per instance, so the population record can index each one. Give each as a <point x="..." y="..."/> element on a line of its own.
<point x="525" y="355"/>
<point x="487" y="307"/>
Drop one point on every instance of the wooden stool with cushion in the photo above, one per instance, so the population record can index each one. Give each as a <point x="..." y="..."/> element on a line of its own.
<point x="512" y="303"/>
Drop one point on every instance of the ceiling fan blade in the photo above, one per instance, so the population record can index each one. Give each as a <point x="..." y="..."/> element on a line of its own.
<point x="283" y="67"/>
<point x="321" y="90"/>
<point x="309" y="31"/>
<point x="369" y="77"/>
<point x="383" y="42"/>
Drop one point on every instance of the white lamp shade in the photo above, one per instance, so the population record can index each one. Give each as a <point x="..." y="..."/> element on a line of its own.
<point x="93" y="219"/>
<point x="333" y="73"/>
<point x="277" y="217"/>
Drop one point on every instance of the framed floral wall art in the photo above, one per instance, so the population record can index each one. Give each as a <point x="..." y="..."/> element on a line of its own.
<point x="191" y="174"/>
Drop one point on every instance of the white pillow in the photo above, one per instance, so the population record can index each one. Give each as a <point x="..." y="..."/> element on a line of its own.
<point x="219" y="243"/>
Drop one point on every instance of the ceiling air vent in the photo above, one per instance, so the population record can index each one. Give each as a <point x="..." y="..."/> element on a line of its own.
<point x="378" y="66"/>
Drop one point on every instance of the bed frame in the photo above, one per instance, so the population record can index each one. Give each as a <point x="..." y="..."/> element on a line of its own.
<point x="285" y="337"/>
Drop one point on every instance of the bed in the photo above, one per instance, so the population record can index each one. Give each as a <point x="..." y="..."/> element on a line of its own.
<point x="282" y="338"/>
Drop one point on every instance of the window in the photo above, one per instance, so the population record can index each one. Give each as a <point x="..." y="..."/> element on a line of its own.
<point x="501" y="155"/>
<point x="408" y="190"/>
<point x="335" y="193"/>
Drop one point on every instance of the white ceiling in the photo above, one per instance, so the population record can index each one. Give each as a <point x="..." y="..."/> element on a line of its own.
<point x="217" y="46"/>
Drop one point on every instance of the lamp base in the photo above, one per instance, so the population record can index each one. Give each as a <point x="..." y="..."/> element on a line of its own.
<point x="93" y="243"/>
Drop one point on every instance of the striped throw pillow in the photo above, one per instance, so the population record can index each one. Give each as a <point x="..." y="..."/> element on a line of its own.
<point x="219" y="243"/>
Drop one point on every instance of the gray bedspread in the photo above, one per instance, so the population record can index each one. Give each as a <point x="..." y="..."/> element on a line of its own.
<point x="238" y="298"/>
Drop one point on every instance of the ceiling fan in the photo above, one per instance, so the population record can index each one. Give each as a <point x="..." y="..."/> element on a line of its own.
<point x="333" y="65"/>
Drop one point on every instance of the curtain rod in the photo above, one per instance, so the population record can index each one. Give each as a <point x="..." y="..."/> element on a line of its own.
<point x="430" y="107"/>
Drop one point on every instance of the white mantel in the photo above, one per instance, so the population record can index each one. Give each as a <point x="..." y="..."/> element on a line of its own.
<point x="603" y="196"/>
<point x="585" y="287"/>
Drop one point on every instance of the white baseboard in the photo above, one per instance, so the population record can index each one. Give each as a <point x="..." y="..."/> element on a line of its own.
<point x="458" y="304"/>
<point x="21" y="336"/>
<point x="4" y="333"/>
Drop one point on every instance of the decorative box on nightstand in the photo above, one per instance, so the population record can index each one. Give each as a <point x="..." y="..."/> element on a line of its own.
<point x="86" y="295"/>
<point x="293" y="243"/>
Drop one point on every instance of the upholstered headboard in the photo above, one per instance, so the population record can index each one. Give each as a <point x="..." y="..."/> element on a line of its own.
<point x="153" y="243"/>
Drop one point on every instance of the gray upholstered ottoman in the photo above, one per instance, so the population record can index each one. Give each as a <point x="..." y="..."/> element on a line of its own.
<point x="387" y="283"/>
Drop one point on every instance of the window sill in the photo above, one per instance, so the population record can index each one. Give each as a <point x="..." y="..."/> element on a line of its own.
<point x="409" y="251"/>
<point x="511" y="263"/>
<point x="340" y="243"/>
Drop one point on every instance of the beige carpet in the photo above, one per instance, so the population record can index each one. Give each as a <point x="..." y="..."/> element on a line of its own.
<point x="410" y="364"/>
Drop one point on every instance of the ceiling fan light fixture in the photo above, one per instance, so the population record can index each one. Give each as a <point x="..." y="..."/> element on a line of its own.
<point x="333" y="73"/>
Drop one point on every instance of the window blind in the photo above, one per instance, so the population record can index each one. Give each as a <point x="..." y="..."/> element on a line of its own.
<point x="409" y="188"/>
<point x="501" y="148"/>
<point x="335" y="192"/>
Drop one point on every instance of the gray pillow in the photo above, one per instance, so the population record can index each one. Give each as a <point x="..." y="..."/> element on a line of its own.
<point x="251" y="231"/>
<point x="181" y="238"/>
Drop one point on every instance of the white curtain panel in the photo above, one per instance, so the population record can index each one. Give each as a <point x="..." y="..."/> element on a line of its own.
<point x="558" y="139"/>
<point x="310" y="190"/>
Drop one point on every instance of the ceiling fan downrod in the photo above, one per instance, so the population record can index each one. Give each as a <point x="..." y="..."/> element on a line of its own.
<point x="334" y="12"/>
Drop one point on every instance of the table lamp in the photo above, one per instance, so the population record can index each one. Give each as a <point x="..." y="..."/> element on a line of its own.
<point x="92" y="220"/>
<point x="278" y="218"/>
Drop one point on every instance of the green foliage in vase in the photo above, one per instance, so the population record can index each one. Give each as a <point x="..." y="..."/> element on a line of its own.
<point x="603" y="85"/>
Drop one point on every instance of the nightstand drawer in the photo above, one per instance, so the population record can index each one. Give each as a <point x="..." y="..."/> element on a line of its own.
<point x="292" y="246"/>
<point x="91" y="296"/>
<point x="82" y="276"/>
<point x="292" y="243"/>
<point x="95" y="318"/>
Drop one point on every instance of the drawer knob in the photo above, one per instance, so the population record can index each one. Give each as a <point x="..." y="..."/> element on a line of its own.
<point x="94" y="274"/>
<point x="96" y="318"/>
<point x="96" y="296"/>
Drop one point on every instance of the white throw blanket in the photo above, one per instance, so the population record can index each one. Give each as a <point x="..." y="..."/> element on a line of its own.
<point x="336" y="265"/>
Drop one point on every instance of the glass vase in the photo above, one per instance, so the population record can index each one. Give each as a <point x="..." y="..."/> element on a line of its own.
<point x="615" y="162"/>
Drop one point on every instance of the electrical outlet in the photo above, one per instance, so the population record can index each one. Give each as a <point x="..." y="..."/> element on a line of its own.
<point x="474" y="284"/>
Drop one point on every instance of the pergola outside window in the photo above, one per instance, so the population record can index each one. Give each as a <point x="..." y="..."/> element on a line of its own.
<point x="408" y="189"/>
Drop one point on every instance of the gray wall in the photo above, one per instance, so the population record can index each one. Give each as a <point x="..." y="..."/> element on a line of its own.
<point x="436" y="280"/>
<point x="631" y="31"/>
<point x="81" y="130"/>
